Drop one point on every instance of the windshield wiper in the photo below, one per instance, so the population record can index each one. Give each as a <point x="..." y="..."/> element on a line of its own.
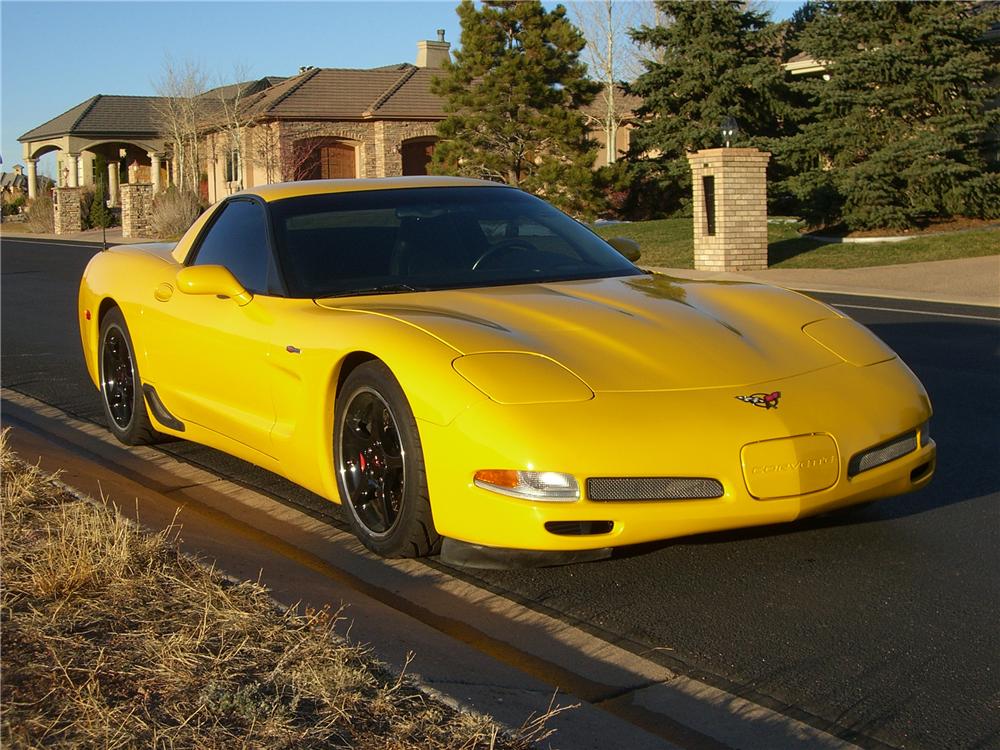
<point x="380" y="289"/>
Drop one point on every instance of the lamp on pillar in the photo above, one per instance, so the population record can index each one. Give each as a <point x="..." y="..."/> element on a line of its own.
<point x="729" y="129"/>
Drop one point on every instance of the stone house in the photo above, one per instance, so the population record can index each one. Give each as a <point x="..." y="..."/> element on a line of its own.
<point x="13" y="184"/>
<point x="320" y="123"/>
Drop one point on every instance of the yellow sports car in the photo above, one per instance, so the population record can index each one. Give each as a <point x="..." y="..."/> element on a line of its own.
<point x="466" y="369"/>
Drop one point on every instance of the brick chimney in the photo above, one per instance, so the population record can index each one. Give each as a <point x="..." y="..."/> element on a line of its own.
<point x="433" y="54"/>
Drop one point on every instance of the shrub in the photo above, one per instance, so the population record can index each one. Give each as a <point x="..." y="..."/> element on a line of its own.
<point x="12" y="204"/>
<point x="86" y="202"/>
<point x="41" y="216"/>
<point x="173" y="212"/>
<point x="100" y="215"/>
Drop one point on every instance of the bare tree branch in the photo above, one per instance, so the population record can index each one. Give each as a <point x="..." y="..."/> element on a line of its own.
<point x="612" y="57"/>
<point x="180" y="88"/>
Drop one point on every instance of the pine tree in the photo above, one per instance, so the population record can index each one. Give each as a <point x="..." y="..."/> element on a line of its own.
<point x="513" y="98"/>
<point x="100" y="215"/>
<point x="896" y="132"/>
<point x="716" y="59"/>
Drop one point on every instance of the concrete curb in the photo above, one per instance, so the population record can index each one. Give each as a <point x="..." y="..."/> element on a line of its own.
<point x="859" y="240"/>
<point x="834" y="240"/>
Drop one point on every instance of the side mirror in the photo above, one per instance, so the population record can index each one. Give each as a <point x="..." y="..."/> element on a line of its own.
<point x="629" y="248"/>
<point x="217" y="280"/>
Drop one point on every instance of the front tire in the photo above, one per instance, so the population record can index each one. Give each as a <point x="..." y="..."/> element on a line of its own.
<point x="380" y="465"/>
<point x="121" y="387"/>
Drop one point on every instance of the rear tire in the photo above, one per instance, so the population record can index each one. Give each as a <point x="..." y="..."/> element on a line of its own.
<point x="120" y="384"/>
<point x="380" y="465"/>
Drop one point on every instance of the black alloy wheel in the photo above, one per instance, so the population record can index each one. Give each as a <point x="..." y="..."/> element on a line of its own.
<point x="118" y="377"/>
<point x="379" y="465"/>
<point x="374" y="471"/>
<point x="121" y="387"/>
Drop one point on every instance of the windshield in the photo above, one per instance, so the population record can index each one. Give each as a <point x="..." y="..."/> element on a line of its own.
<point x="417" y="239"/>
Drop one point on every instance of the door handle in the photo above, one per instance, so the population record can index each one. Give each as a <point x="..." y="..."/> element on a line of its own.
<point x="163" y="292"/>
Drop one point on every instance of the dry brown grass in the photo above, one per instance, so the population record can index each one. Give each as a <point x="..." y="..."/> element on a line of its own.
<point x="112" y="638"/>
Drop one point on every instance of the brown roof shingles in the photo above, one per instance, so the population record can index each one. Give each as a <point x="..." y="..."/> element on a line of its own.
<point x="103" y="114"/>
<point x="391" y="92"/>
<point x="413" y="99"/>
<point x="335" y="93"/>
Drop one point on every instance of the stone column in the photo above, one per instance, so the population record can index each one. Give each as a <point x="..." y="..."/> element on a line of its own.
<point x="66" y="205"/>
<point x="32" y="178"/>
<point x="154" y="171"/>
<point x="730" y="209"/>
<point x="72" y="164"/>
<point x="137" y="209"/>
<point x="113" y="183"/>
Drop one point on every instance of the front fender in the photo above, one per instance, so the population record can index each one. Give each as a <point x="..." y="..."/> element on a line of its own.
<point x="124" y="276"/>
<point x="305" y="383"/>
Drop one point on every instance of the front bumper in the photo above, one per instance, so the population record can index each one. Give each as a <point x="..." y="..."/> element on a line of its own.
<point x="698" y="433"/>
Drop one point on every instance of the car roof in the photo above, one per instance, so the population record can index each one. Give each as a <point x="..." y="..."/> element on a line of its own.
<point x="282" y="190"/>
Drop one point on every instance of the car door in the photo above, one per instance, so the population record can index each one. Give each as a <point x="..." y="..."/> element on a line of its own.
<point x="211" y="353"/>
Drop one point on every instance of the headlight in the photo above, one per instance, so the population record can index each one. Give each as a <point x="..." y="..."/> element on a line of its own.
<point x="530" y="485"/>
<point x="850" y="341"/>
<point x="521" y="378"/>
<point x="925" y="433"/>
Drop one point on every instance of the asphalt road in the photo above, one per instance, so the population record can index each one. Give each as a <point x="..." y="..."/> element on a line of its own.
<point x="883" y="622"/>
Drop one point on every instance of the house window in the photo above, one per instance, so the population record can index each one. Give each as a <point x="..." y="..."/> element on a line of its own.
<point x="234" y="172"/>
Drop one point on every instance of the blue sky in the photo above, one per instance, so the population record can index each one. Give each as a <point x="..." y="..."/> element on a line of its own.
<point x="57" y="54"/>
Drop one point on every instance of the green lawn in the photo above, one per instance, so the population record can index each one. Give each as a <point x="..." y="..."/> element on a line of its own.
<point x="668" y="243"/>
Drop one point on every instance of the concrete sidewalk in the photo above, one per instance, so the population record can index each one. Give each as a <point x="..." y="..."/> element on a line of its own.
<point x="114" y="236"/>
<point x="967" y="281"/>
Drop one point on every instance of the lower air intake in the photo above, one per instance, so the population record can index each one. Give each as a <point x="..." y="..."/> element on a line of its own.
<point x="882" y="454"/>
<point x="630" y="489"/>
<point x="578" y="528"/>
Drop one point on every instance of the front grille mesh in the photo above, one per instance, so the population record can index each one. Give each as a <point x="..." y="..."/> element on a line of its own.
<point x="625" y="489"/>
<point x="882" y="454"/>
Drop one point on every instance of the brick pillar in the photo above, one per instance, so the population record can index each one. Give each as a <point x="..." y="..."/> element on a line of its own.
<point x="137" y="209"/>
<point x="730" y="209"/>
<point x="66" y="205"/>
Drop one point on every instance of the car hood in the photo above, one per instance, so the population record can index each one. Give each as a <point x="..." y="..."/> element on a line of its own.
<point x="635" y="333"/>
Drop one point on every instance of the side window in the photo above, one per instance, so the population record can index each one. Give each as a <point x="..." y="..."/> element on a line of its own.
<point x="238" y="241"/>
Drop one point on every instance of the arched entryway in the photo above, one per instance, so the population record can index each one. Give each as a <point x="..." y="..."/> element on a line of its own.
<point x="325" y="158"/>
<point x="417" y="154"/>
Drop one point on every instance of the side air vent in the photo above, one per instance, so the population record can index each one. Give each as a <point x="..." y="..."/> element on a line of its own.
<point x="882" y="453"/>
<point x="630" y="489"/>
